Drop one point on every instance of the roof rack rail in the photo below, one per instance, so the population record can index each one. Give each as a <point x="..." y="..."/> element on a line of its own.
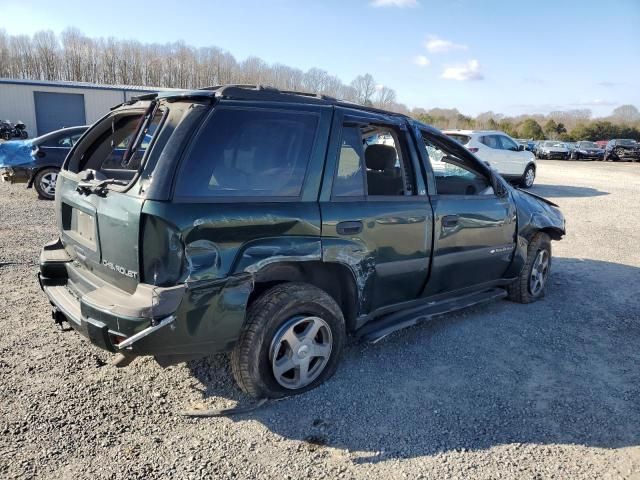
<point x="258" y="92"/>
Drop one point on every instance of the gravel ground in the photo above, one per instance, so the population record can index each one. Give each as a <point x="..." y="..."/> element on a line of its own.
<point x="548" y="390"/>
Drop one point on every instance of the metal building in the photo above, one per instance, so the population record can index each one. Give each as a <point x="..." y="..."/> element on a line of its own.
<point x="45" y="106"/>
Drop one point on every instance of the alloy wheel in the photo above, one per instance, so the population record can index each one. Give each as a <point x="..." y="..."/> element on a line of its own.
<point x="300" y="351"/>
<point x="48" y="183"/>
<point x="529" y="177"/>
<point x="539" y="273"/>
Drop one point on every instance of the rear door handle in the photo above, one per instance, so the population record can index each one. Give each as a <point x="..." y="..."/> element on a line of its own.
<point x="450" y="220"/>
<point x="349" y="228"/>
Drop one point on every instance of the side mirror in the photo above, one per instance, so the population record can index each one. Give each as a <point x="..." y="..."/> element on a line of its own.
<point x="496" y="183"/>
<point x="521" y="148"/>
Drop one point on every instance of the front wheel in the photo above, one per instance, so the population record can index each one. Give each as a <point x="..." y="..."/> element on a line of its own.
<point x="528" y="177"/>
<point x="531" y="283"/>
<point x="45" y="183"/>
<point x="291" y="342"/>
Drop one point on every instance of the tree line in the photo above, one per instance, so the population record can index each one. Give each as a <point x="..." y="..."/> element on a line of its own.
<point x="73" y="56"/>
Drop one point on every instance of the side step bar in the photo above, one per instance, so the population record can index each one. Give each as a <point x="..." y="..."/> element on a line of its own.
<point x="392" y="322"/>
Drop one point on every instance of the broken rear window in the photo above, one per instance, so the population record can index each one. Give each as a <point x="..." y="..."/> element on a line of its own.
<point x="117" y="145"/>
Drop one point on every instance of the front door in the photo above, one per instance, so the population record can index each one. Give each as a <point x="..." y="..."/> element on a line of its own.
<point x="373" y="217"/>
<point x="474" y="229"/>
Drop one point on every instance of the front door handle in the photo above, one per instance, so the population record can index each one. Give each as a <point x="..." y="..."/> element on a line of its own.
<point x="349" y="228"/>
<point x="450" y="220"/>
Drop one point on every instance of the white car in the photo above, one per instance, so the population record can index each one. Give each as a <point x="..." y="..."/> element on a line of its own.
<point x="501" y="152"/>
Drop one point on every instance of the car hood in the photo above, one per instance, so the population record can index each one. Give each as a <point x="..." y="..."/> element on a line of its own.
<point x="537" y="213"/>
<point x="16" y="152"/>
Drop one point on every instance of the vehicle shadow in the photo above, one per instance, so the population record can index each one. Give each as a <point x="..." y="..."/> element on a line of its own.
<point x="560" y="371"/>
<point x="566" y="191"/>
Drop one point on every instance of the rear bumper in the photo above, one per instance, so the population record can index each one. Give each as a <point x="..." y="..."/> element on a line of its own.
<point x="107" y="316"/>
<point x="190" y="319"/>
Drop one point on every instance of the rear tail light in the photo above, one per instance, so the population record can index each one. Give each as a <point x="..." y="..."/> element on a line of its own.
<point x="473" y="149"/>
<point x="162" y="253"/>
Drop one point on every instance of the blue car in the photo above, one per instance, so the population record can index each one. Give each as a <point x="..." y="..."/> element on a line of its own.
<point x="38" y="160"/>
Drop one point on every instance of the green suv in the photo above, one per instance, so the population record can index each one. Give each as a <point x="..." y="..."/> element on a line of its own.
<point x="272" y="224"/>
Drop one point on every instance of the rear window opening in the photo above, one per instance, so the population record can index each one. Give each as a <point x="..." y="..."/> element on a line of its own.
<point x="116" y="146"/>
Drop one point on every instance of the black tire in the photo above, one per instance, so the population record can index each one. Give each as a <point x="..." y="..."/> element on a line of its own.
<point x="526" y="181"/>
<point x="42" y="183"/>
<point x="520" y="290"/>
<point x="251" y="359"/>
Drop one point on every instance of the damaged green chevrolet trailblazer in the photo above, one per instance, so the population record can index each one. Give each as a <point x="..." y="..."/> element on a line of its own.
<point x="272" y="224"/>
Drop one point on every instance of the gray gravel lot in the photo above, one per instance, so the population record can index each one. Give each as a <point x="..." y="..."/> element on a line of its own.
<point x="548" y="390"/>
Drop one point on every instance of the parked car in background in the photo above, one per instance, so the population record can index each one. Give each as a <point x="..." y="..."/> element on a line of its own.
<point x="272" y="224"/>
<point x="501" y="152"/>
<point x="551" y="149"/>
<point x="38" y="161"/>
<point x="622" y="149"/>
<point x="570" y="146"/>
<point x="585" y="150"/>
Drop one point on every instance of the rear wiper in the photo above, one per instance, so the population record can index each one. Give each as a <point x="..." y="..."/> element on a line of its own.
<point x="91" y="183"/>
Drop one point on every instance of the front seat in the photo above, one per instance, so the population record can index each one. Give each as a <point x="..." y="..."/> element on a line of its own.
<point x="383" y="178"/>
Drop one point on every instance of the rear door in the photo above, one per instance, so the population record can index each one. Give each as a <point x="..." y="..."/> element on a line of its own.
<point x="474" y="229"/>
<point x="100" y="226"/>
<point x="376" y="216"/>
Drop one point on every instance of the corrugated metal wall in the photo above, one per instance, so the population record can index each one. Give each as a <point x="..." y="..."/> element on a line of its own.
<point x="17" y="102"/>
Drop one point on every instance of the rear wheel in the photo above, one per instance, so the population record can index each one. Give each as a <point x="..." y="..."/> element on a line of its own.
<point x="291" y="342"/>
<point x="528" y="177"/>
<point x="533" y="277"/>
<point x="45" y="183"/>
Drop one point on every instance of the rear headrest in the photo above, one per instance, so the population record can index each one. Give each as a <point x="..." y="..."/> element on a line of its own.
<point x="380" y="157"/>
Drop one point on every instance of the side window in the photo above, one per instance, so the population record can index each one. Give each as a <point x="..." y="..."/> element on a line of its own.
<point x="376" y="150"/>
<point x="506" y="143"/>
<point x="349" y="179"/>
<point x="242" y="152"/>
<point x="452" y="175"/>
<point x="491" y="141"/>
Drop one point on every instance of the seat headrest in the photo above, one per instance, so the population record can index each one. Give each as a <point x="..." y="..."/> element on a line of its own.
<point x="380" y="157"/>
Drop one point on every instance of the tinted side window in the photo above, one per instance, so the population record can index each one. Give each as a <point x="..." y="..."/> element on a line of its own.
<point x="507" y="143"/>
<point x="490" y="141"/>
<point x="349" y="180"/>
<point x="259" y="153"/>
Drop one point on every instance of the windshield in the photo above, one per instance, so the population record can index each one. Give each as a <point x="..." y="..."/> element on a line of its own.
<point x="587" y="145"/>
<point x="626" y="142"/>
<point x="554" y="144"/>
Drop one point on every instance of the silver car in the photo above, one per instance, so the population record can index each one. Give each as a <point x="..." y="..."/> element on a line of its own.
<point x="553" y="149"/>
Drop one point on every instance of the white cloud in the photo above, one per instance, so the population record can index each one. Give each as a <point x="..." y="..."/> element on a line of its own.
<point x="421" y="61"/>
<point x="439" y="45"/>
<point x="598" y="102"/>
<point x="379" y="87"/>
<point x="394" y="3"/>
<point x="468" y="71"/>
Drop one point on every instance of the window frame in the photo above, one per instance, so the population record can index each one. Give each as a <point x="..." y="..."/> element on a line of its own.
<point x="402" y="136"/>
<point x="501" y="138"/>
<point x="177" y="198"/>
<point x="460" y="151"/>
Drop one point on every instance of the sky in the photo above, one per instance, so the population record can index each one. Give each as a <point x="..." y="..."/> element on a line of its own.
<point x="507" y="56"/>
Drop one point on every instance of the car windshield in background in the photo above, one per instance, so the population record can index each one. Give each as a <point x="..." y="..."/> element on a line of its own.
<point x="554" y="144"/>
<point x="463" y="139"/>
<point x="627" y="142"/>
<point x="587" y="145"/>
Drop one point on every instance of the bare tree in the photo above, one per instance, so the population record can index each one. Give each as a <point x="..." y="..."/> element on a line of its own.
<point x="365" y="87"/>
